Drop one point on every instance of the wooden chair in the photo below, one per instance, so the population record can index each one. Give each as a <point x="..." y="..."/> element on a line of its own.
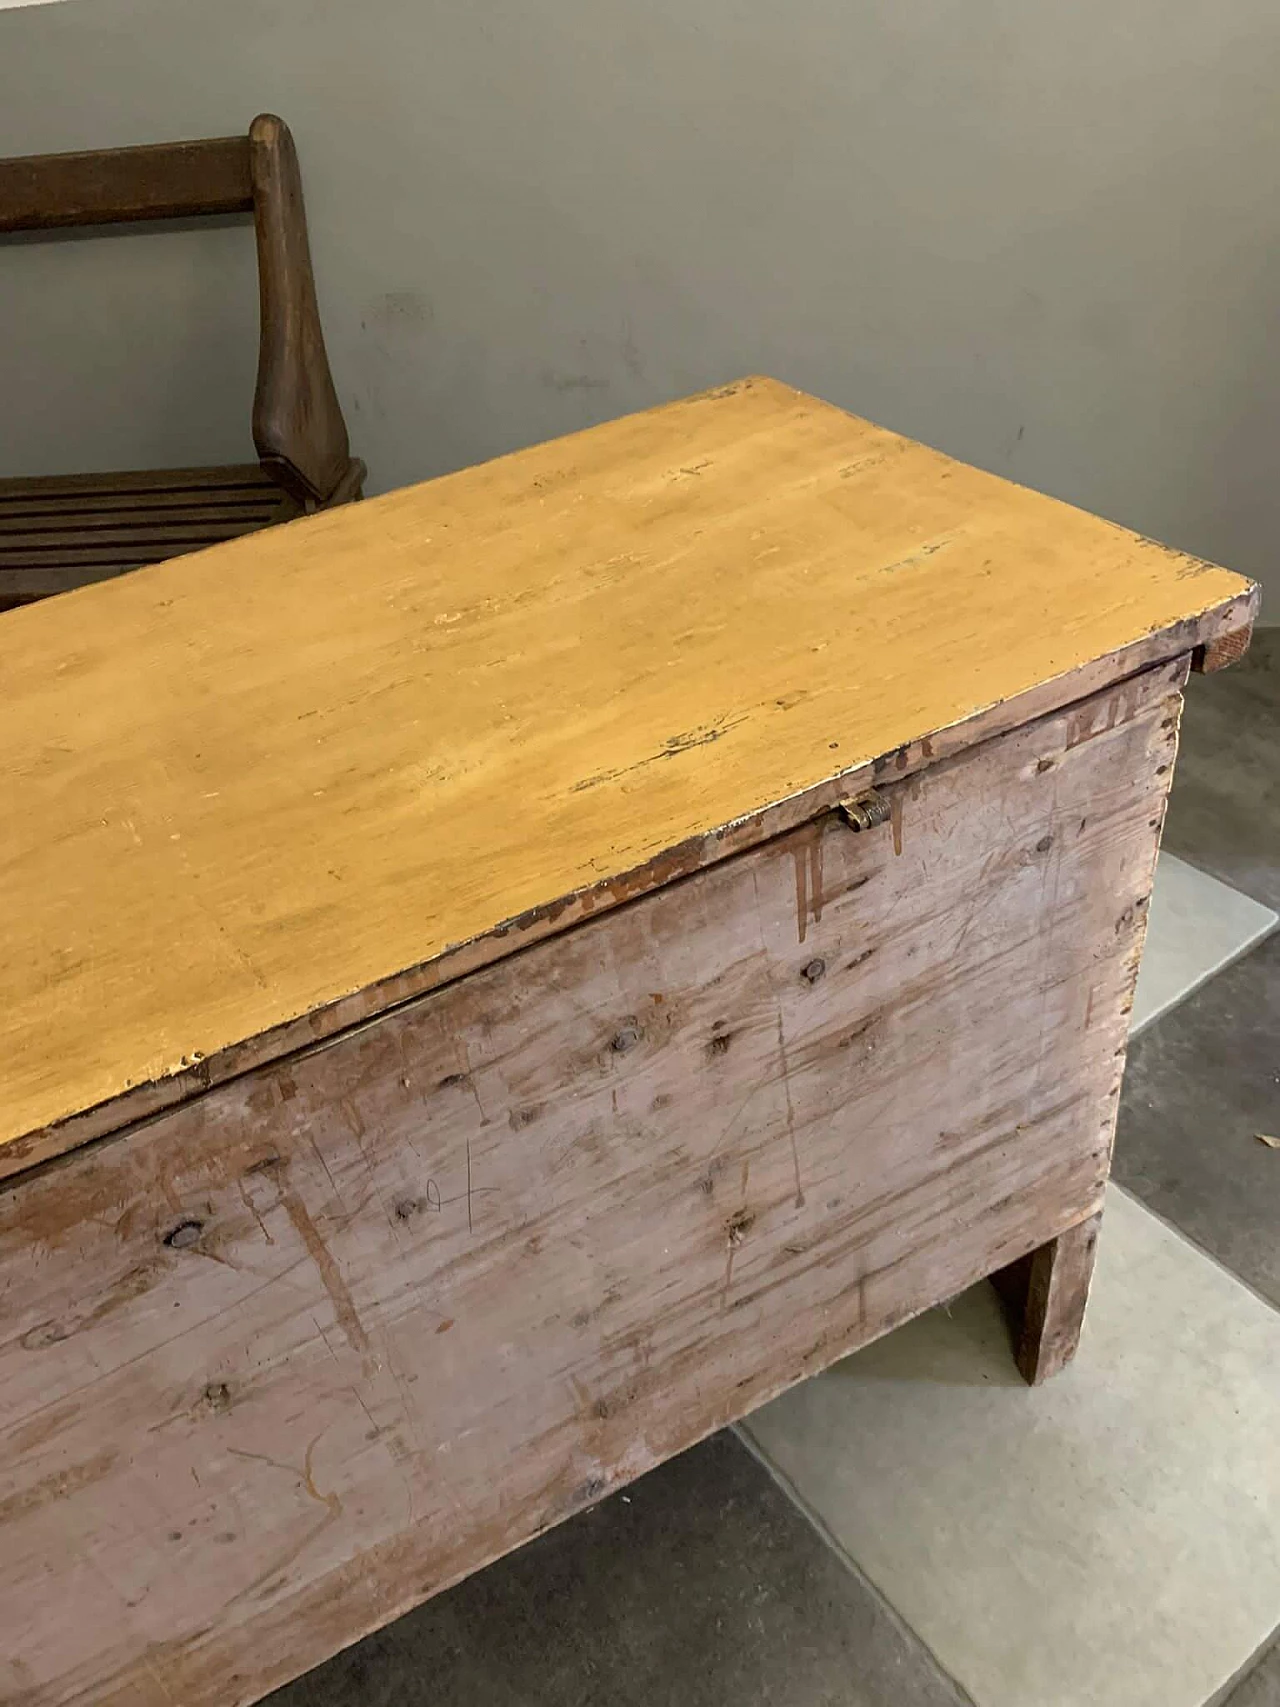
<point x="62" y="531"/>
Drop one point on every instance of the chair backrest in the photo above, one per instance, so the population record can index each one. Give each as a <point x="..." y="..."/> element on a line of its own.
<point x="298" y="427"/>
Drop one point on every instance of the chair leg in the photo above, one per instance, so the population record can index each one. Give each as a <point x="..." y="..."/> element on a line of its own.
<point x="1046" y="1293"/>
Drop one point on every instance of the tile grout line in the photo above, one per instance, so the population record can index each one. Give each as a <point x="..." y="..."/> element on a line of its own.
<point x="1237" y="954"/>
<point x="1241" y="953"/>
<point x="1245" y="949"/>
<point x="825" y="1534"/>
<point x="1222" y="1697"/>
<point x="1113" y="1184"/>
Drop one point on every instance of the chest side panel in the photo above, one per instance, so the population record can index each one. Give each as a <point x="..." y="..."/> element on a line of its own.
<point x="294" y="1356"/>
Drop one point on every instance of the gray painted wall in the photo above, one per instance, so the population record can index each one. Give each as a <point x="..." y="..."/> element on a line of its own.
<point x="1040" y="236"/>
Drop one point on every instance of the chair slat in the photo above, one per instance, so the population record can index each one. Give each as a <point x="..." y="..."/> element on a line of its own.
<point x="106" y="186"/>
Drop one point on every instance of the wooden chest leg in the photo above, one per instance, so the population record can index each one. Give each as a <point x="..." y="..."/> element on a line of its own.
<point x="1046" y="1293"/>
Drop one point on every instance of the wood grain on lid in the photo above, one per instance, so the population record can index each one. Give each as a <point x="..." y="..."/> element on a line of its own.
<point x="242" y="784"/>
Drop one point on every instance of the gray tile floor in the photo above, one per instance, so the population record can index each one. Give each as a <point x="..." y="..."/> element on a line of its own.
<point x="1225" y="809"/>
<point x="1260" y="1687"/>
<point x="1205" y="1079"/>
<point x="1199" y="1086"/>
<point x="703" y="1585"/>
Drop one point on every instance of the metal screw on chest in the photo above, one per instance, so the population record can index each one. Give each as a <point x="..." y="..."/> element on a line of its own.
<point x="184" y="1235"/>
<point x="865" y="811"/>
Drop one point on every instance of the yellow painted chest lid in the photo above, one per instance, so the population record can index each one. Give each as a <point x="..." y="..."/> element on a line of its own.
<point x="241" y="785"/>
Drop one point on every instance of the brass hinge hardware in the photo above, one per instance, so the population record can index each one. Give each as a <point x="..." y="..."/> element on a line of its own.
<point x="865" y="811"/>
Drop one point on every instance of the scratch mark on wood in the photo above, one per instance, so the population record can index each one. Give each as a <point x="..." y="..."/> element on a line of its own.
<point x="150" y="1668"/>
<point x="247" y="1199"/>
<point x="140" y="1278"/>
<point x="56" y="1487"/>
<point x="791" y="1113"/>
<point x="280" y="1565"/>
<point x="730" y="1248"/>
<point x="671" y="748"/>
<point x="326" y="1267"/>
<point x="265" y="1458"/>
<point x="469" y="1079"/>
<point x="236" y="950"/>
<point x="319" y="1155"/>
<point x="929" y="549"/>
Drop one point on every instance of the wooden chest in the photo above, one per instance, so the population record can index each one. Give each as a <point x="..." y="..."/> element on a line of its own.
<point x="501" y="980"/>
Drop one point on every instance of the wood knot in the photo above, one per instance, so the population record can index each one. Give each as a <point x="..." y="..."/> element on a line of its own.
<point x="184" y="1235"/>
<point x="217" y="1395"/>
<point x="1044" y="844"/>
<point x="740" y="1225"/>
<point x="406" y="1207"/>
